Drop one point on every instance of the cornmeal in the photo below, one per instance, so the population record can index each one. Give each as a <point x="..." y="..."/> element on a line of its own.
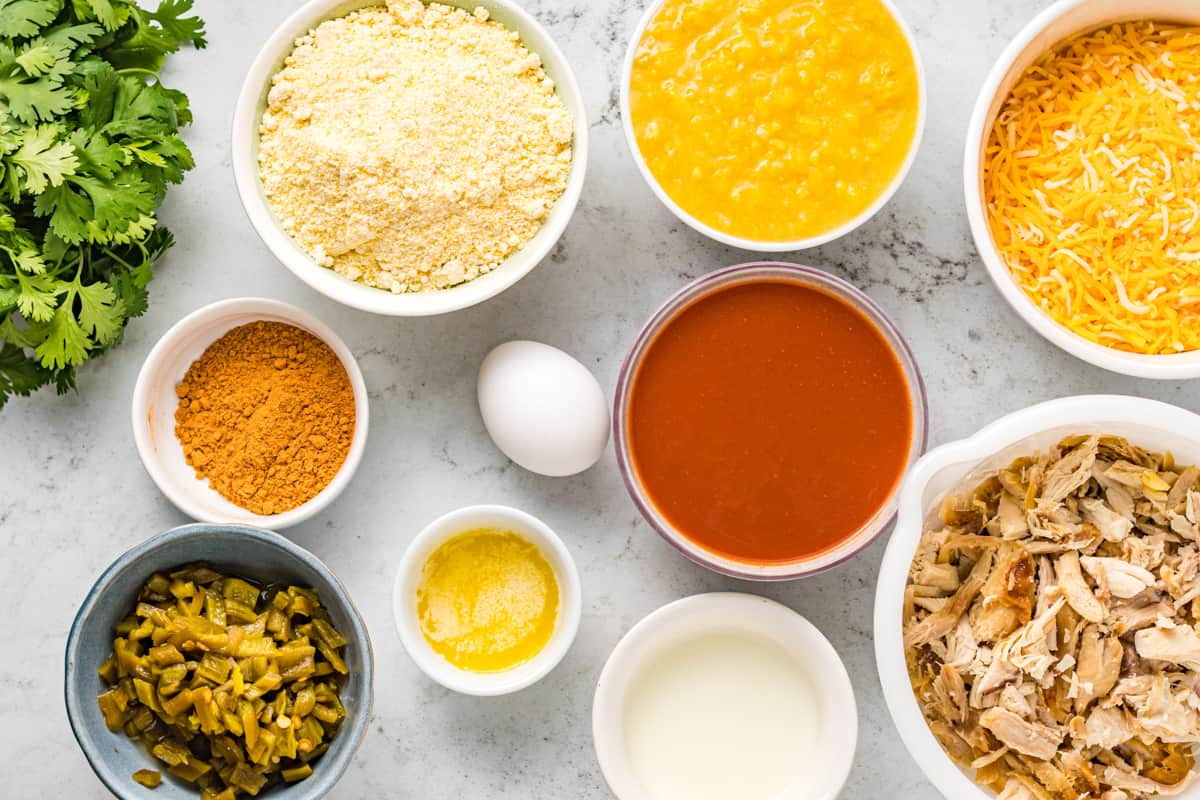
<point x="413" y="147"/>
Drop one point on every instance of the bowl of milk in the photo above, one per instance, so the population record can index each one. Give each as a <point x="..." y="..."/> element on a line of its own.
<point x="725" y="695"/>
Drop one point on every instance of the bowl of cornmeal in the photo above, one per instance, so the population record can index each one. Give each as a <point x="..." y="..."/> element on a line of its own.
<point x="410" y="158"/>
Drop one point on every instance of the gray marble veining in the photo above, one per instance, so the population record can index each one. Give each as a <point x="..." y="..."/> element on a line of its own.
<point x="74" y="494"/>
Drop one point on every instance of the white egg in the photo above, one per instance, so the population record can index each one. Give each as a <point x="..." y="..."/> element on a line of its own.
<point x="542" y="408"/>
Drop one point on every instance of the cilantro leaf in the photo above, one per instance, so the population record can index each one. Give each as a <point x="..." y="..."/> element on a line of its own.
<point x="64" y="380"/>
<point x="140" y="44"/>
<point x="37" y="60"/>
<point x="140" y="110"/>
<point x="10" y="333"/>
<point x="130" y="286"/>
<point x="54" y="249"/>
<point x="116" y="203"/>
<point x="101" y="312"/>
<point x="68" y="210"/>
<point x="135" y="232"/>
<point x="143" y="151"/>
<point x="64" y="343"/>
<point x="97" y="154"/>
<point x="43" y="159"/>
<point x="130" y="283"/>
<point x="183" y="111"/>
<point x="19" y="375"/>
<point x="101" y="10"/>
<point x="183" y="29"/>
<point x="68" y="37"/>
<point x="50" y="54"/>
<point x="30" y="100"/>
<point x="10" y="292"/>
<point x="177" y="159"/>
<point x="20" y="18"/>
<point x="30" y="261"/>
<point x="97" y="82"/>
<point x="37" y="295"/>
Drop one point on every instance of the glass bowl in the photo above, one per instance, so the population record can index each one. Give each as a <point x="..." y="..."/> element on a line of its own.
<point x="702" y="287"/>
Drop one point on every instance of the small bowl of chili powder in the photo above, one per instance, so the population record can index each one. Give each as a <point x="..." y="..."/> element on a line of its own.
<point x="764" y="419"/>
<point x="250" y="411"/>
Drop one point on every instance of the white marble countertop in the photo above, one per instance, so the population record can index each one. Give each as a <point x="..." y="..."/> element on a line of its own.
<point x="74" y="495"/>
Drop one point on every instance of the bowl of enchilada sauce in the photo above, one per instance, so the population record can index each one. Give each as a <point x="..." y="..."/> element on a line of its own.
<point x="764" y="419"/>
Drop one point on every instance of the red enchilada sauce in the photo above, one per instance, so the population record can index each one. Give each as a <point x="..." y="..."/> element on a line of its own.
<point x="769" y="421"/>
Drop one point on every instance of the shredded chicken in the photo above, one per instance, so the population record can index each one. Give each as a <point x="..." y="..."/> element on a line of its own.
<point x="1018" y="733"/>
<point x="1175" y="644"/>
<point x="1107" y="728"/>
<point x="1079" y="594"/>
<point x="1099" y="666"/>
<point x="1122" y="578"/>
<point x="1051" y="624"/>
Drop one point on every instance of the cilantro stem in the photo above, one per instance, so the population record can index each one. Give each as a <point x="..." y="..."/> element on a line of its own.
<point x="116" y="258"/>
<point x="138" y="71"/>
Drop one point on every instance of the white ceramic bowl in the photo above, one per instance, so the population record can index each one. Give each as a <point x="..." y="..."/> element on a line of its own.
<point x="155" y="401"/>
<point x="728" y="612"/>
<point x="408" y="577"/>
<point x="1058" y="22"/>
<point x="753" y="244"/>
<point x="1148" y="423"/>
<point x="248" y="114"/>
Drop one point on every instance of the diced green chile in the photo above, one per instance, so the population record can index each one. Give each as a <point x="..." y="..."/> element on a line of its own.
<point x="231" y="686"/>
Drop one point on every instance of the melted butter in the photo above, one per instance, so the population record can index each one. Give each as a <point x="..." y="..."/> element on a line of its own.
<point x="774" y="120"/>
<point x="487" y="600"/>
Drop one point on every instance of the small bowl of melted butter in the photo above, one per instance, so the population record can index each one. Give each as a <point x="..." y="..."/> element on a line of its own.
<point x="487" y="600"/>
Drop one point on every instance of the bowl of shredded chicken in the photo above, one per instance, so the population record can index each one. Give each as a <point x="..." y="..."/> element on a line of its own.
<point x="1036" y="620"/>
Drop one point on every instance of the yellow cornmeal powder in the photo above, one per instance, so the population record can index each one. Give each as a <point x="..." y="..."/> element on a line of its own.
<point x="413" y="147"/>
<point x="487" y="600"/>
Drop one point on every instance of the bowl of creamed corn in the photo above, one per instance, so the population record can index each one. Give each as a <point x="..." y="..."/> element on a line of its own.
<point x="775" y="125"/>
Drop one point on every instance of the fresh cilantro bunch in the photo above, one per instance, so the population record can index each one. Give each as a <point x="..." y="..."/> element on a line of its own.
<point x="89" y="140"/>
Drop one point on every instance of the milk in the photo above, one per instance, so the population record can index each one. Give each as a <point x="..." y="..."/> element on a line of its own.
<point x="722" y="716"/>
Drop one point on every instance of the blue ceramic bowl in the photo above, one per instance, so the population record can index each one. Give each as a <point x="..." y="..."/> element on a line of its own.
<point x="239" y="550"/>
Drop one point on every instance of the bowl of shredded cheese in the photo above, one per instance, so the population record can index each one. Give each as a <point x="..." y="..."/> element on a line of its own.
<point x="1081" y="174"/>
<point x="410" y="158"/>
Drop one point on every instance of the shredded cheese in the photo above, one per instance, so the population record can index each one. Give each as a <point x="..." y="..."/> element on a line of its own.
<point x="1094" y="149"/>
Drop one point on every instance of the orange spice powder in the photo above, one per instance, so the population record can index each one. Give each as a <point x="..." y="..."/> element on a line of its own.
<point x="266" y="414"/>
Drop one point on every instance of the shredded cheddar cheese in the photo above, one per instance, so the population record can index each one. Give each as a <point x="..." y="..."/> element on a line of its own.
<point x="1090" y="175"/>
